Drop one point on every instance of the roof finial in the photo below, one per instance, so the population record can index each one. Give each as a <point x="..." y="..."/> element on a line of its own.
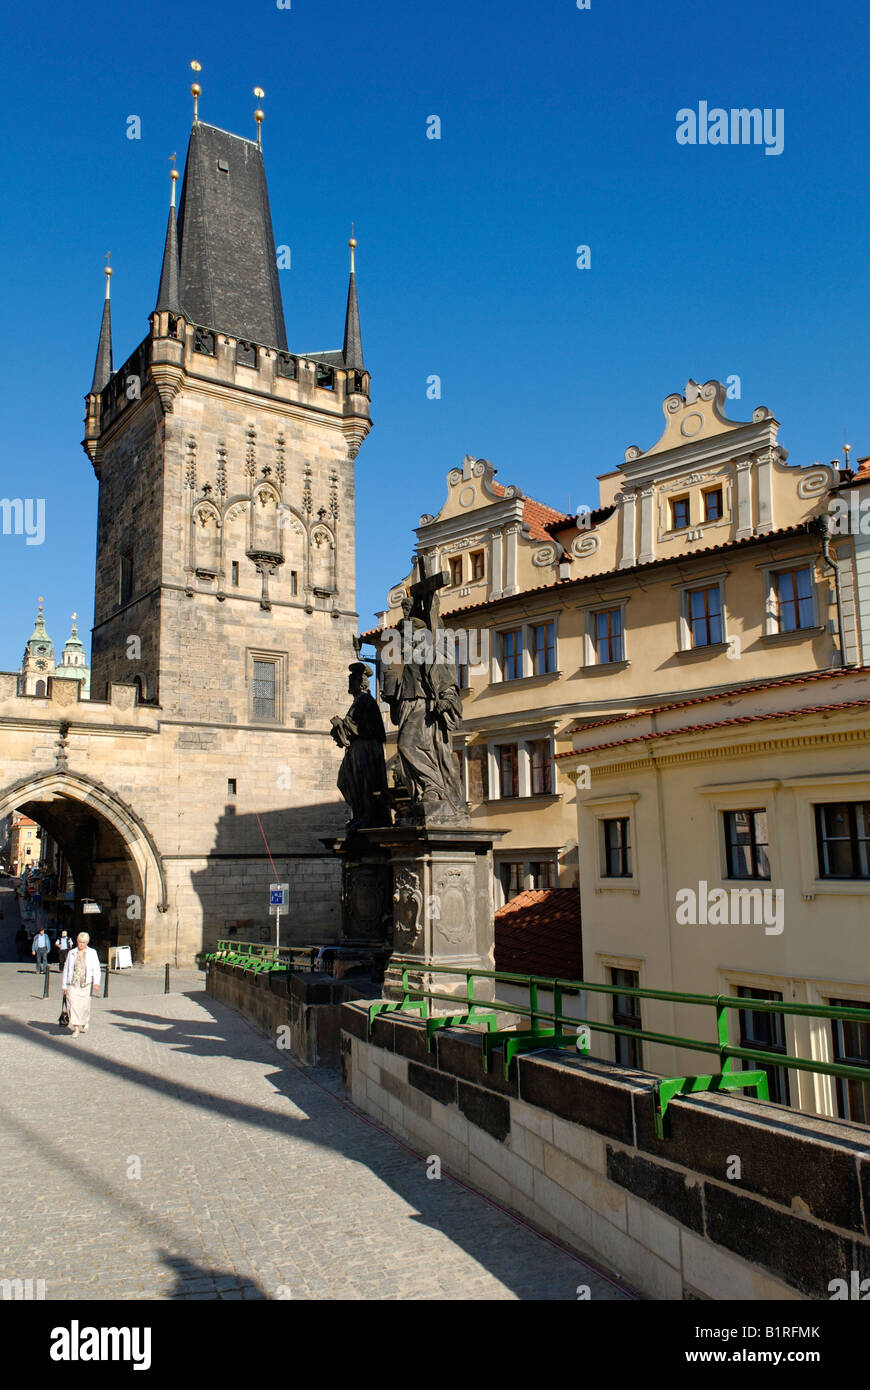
<point x="352" y="245"/>
<point x="258" y="115"/>
<point x="108" y="274"/>
<point x="196" y="91"/>
<point x="173" y="174"/>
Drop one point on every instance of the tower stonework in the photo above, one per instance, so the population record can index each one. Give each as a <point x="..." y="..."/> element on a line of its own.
<point x="225" y="573"/>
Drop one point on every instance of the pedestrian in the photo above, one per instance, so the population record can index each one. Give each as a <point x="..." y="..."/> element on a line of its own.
<point x="64" y="946"/>
<point x="81" y="977"/>
<point x="41" y="948"/>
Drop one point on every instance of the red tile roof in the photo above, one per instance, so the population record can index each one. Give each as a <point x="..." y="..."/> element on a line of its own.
<point x="540" y="518"/>
<point x="804" y="678"/>
<point x="720" y="724"/>
<point x="538" y="933"/>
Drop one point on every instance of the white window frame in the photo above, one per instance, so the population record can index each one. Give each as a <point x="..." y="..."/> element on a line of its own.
<point x="808" y="792"/>
<point x="742" y="796"/>
<point x="589" y="612"/>
<point x="684" y="625"/>
<point x="769" y="573"/>
<point x="526" y="857"/>
<point x="525" y="626"/>
<point x="522" y="738"/>
<point x="602" y="809"/>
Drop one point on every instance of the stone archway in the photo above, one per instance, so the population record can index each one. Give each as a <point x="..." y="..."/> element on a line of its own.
<point x="112" y="855"/>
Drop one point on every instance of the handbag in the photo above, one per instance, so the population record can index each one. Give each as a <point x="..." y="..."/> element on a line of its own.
<point x="64" y="1014"/>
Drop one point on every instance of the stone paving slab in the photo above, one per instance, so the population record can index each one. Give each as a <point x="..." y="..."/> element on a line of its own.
<point x="173" y="1152"/>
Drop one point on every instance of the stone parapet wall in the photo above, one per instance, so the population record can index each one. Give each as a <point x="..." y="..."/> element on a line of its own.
<point x="306" y="1006"/>
<point x="741" y="1201"/>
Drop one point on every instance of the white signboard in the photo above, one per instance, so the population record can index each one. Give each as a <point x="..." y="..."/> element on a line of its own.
<point x="120" y="958"/>
<point x="279" y="898"/>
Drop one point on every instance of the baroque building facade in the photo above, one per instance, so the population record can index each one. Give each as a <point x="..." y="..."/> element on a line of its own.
<point x="225" y="597"/>
<point x="660" y="691"/>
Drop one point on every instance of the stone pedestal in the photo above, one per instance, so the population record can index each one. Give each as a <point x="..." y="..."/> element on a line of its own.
<point x="366" y="892"/>
<point x="442" y="909"/>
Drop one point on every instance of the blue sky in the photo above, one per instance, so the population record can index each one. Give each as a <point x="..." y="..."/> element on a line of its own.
<point x="558" y="129"/>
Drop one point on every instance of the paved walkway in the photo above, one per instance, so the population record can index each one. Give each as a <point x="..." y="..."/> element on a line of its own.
<point x="174" y="1152"/>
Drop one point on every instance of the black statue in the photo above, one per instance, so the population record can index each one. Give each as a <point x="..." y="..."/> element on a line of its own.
<point x="362" y="777"/>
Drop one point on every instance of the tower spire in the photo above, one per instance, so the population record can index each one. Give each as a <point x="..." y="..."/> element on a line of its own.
<point x="168" y="294"/>
<point x="353" y="353"/>
<point x="103" y="364"/>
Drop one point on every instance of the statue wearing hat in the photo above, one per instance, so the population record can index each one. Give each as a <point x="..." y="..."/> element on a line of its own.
<point x="362" y="777"/>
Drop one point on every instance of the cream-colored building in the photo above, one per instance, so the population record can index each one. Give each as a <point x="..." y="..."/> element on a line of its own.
<point x="708" y="587"/>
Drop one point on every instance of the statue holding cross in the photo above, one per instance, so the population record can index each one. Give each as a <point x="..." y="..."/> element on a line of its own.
<point x="424" y="701"/>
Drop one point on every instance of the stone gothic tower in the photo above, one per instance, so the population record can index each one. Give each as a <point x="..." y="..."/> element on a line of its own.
<point x="225" y="543"/>
<point x="225" y="585"/>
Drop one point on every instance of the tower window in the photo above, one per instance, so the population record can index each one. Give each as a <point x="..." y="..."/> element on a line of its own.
<point x="231" y="786"/>
<point x="294" y="583"/>
<point x="235" y="574"/>
<point x="125" y="588"/>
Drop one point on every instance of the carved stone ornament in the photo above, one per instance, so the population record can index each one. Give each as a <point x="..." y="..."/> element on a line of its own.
<point x="453" y="920"/>
<point x="815" y="481"/>
<point x="408" y="909"/>
<point x="454" y="477"/>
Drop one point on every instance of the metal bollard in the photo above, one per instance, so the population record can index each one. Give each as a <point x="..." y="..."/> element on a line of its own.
<point x="47" y="978"/>
<point x="106" y="985"/>
<point x="166" y="978"/>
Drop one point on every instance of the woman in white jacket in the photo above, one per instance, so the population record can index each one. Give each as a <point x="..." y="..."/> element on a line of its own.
<point x="81" y="973"/>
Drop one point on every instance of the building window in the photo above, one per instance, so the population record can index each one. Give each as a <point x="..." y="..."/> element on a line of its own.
<point x="766" y="1033"/>
<point x="40" y="688"/>
<point x="231" y="786"/>
<point x="234" y="574"/>
<point x="478" y="773"/>
<point x="607" y="636"/>
<point x="842" y="836"/>
<point x="460" y="653"/>
<point x="508" y="769"/>
<point x="793" y="599"/>
<point x="265" y="689"/>
<point x="746" y="844"/>
<point x="705" y="616"/>
<point x="617" y="848"/>
<point x="125" y="587"/>
<point x="511" y="880"/>
<point x="294" y="583"/>
<point x="626" y="1014"/>
<point x="679" y="513"/>
<point x="478" y="564"/>
<point x="713" y="504"/>
<point x="851" y="1046"/>
<point x="511" y="654"/>
<point x="543" y="648"/>
<point x="542" y="874"/>
<point x="456" y="570"/>
<point x="541" y="760"/>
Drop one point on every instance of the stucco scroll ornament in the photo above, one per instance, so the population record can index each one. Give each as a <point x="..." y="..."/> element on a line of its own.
<point x="585" y="545"/>
<point x="815" y="481"/>
<point x="408" y="911"/>
<point x="454" y="477"/>
<point x="545" y="555"/>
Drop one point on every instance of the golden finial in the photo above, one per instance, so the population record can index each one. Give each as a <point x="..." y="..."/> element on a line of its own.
<point x="173" y="174"/>
<point x="259" y="117"/>
<point x="108" y="274"/>
<point x="196" y="91"/>
<point x="352" y="245"/>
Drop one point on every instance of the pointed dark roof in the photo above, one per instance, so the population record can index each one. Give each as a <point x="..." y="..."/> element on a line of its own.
<point x="353" y="353"/>
<point x="103" y="364"/>
<point x="228" y="276"/>
<point x="168" y="296"/>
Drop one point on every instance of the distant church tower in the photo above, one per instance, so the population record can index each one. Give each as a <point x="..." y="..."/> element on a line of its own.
<point x="38" y="662"/>
<point x="73" y="664"/>
<point x="225" y="585"/>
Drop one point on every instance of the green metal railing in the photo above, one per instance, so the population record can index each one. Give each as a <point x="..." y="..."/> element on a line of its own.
<point x="260" y="959"/>
<point x="549" y="1028"/>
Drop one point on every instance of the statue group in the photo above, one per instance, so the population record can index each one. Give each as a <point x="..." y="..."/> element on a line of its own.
<point x="422" y="694"/>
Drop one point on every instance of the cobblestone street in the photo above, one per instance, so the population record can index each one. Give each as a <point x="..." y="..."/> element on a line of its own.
<point x="174" y="1152"/>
